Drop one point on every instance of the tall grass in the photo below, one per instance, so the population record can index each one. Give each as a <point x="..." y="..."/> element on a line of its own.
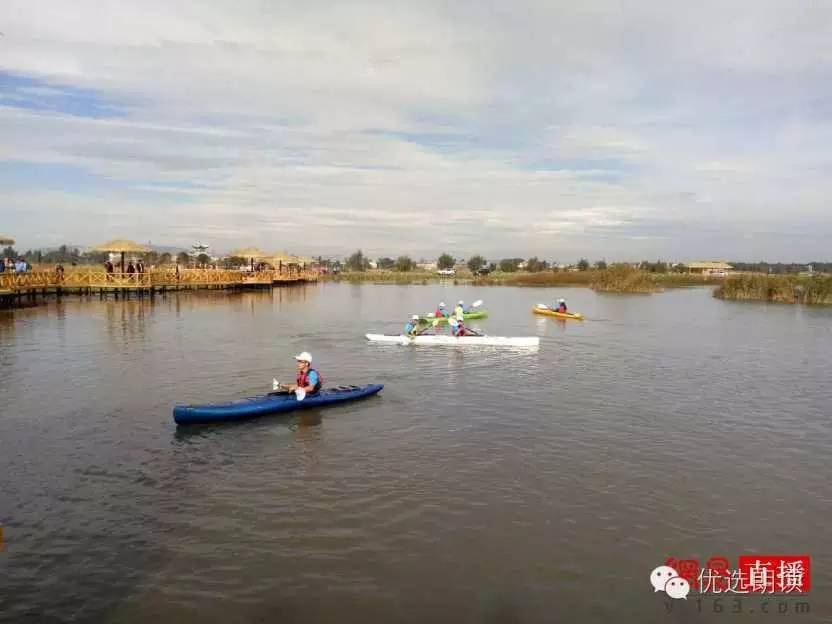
<point x="618" y="278"/>
<point x="381" y="277"/>
<point x="814" y="289"/>
<point x="624" y="279"/>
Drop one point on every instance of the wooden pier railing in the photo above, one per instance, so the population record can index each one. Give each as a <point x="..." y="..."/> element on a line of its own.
<point x="83" y="278"/>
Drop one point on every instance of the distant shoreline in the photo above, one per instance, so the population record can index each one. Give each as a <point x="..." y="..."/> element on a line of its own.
<point x="795" y="289"/>
<point x="609" y="280"/>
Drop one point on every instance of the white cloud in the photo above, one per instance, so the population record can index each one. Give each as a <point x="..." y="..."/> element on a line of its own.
<point x="408" y="127"/>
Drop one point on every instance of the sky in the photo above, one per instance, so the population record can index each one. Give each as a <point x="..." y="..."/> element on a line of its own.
<point x="617" y="130"/>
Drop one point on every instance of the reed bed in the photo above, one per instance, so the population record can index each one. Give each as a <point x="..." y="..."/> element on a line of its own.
<point x="808" y="289"/>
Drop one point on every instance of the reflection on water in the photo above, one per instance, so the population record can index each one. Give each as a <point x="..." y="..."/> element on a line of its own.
<point x="482" y="485"/>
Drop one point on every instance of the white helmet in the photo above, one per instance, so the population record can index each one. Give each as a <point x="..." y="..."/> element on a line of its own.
<point x="304" y="357"/>
<point x="461" y="302"/>
<point x="415" y="317"/>
<point x="442" y="304"/>
<point x="561" y="300"/>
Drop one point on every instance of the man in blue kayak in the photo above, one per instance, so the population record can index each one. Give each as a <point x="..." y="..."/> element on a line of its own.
<point x="308" y="378"/>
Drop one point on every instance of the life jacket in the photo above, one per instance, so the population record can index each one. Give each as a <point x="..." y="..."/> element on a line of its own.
<point x="303" y="380"/>
<point x="440" y="313"/>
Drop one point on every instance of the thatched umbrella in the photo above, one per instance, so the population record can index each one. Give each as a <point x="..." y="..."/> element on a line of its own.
<point x="5" y="240"/>
<point x="122" y="246"/>
<point x="279" y="259"/>
<point x="250" y="253"/>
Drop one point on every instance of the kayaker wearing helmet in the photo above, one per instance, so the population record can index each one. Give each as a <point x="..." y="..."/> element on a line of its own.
<point x="561" y="307"/>
<point x="412" y="328"/>
<point x="308" y="378"/>
<point x="460" y="330"/>
<point x="441" y="312"/>
<point x="459" y="311"/>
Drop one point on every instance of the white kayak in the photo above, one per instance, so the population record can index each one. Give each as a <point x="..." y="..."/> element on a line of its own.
<point x="495" y="341"/>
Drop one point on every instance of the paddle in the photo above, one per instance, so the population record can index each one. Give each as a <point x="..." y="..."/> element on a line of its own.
<point x="477" y="303"/>
<point x="279" y="388"/>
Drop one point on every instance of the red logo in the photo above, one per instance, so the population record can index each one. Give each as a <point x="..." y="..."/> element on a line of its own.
<point x="754" y="574"/>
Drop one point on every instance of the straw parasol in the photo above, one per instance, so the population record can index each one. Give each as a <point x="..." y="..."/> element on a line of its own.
<point x="249" y="253"/>
<point x="5" y="240"/>
<point x="279" y="259"/>
<point x="122" y="246"/>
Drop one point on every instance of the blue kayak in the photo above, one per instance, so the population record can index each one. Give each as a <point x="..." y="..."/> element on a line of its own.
<point x="268" y="404"/>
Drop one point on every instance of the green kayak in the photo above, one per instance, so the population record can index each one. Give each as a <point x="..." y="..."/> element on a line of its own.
<point x="479" y="314"/>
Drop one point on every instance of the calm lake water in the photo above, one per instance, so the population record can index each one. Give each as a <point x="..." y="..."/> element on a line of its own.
<point x="482" y="485"/>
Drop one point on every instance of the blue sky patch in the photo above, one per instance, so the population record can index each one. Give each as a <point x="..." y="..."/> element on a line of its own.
<point x="29" y="93"/>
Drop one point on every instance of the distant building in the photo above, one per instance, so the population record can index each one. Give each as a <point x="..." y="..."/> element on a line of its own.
<point x="426" y="266"/>
<point x="709" y="268"/>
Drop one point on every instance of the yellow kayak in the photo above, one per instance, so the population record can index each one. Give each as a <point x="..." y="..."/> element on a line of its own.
<point x="550" y="312"/>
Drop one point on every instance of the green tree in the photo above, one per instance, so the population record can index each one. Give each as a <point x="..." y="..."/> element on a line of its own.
<point x="357" y="262"/>
<point x="533" y="265"/>
<point x="404" y="263"/>
<point x="509" y="265"/>
<point x="203" y="259"/>
<point x="386" y="263"/>
<point x="235" y="261"/>
<point x="183" y="258"/>
<point x="583" y="264"/>
<point x="475" y="263"/>
<point x="445" y="261"/>
<point x="165" y="258"/>
<point x="653" y="267"/>
<point x="601" y="265"/>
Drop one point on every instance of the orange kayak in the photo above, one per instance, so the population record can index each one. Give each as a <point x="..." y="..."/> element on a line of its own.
<point x="546" y="311"/>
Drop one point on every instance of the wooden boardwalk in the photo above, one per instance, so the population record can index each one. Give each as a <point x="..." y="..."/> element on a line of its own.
<point x="15" y="287"/>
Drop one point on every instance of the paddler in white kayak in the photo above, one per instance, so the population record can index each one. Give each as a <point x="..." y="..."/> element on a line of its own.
<point x="412" y="328"/>
<point x="459" y="330"/>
